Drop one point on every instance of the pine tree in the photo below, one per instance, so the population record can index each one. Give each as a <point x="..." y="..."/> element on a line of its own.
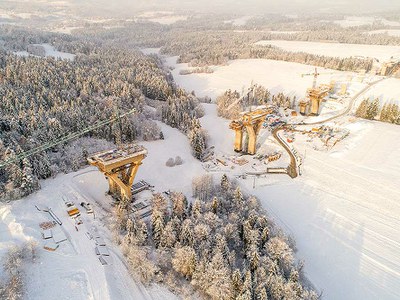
<point x="186" y="234"/>
<point x="29" y="183"/>
<point x="361" y="111"/>
<point x="184" y="261"/>
<point x="225" y="184"/>
<point x="385" y="113"/>
<point x="129" y="225"/>
<point x="238" y="198"/>
<point x="237" y="282"/>
<point x="180" y="205"/>
<point x="247" y="289"/>
<point x="372" y="109"/>
<point x="196" y="209"/>
<point x="216" y="280"/>
<point x="253" y="257"/>
<point x="197" y="141"/>
<point x="214" y="205"/>
<point x="157" y="227"/>
<point x="168" y="238"/>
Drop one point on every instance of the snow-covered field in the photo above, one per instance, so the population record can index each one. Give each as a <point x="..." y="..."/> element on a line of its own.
<point x="388" y="91"/>
<point x="352" y="21"/>
<point x="343" y="211"/>
<point x="239" y="21"/>
<point x="391" y="32"/>
<point x="50" y="52"/>
<point x="380" y="52"/>
<point x="278" y="76"/>
<point x="73" y="271"/>
<point x="161" y="17"/>
<point x="65" y="29"/>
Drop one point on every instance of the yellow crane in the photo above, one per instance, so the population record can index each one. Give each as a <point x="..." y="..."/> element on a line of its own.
<point x="316" y="94"/>
<point x="316" y="74"/>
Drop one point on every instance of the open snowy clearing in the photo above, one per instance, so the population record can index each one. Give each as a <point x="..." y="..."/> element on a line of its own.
<point x="161" y="17"/>
<point x="74" y="265"/>
<point x="380" y="52"/>
<point x="391" y="32"/>
<point x="347" y="237"/>
<point x="343" y="211"/>
<point x="388" y="91"/>
<point x="239" y="21"/>
<point x="73" y="271"/>
<point x="352" y="21"/>
<point x="278" y="76"/>
<point x="50" y="51"/>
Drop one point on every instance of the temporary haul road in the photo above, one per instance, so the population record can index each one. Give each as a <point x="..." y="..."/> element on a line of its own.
<point x="293" y="166"/>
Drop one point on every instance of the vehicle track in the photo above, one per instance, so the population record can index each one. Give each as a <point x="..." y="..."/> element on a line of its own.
<point x="293" y="168"/>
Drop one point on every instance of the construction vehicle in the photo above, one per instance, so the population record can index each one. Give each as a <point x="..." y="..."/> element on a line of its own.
<point x="120" y="167"/>
<point x="87" y="206"/>
<point x="72" y="209"/>
<point x="251" y="121"/>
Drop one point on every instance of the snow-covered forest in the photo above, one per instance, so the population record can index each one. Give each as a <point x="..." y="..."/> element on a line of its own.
<point x="205" y="220"/>
<point x="230" y="104"/>
<point x="371" y="110"/>
<point x="45" y="98"/>
<point x="222" y="246"/>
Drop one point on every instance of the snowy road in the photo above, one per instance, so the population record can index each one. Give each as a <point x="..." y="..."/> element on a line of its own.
<point x="73" y="271"/>
<point x="343" y="211"/>
<point x="344" y="214"/>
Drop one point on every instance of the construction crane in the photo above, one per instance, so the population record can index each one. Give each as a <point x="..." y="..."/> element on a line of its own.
<point x="252" y="122"/>
<point x="316" y="74"/>
<point x="315" y="94"/>
<point x="64" y="139"/>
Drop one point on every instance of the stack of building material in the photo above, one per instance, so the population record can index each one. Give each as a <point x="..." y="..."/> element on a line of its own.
<point x="58" y="235"/>
<point x="50" y="246"/>
<point x="47" y="234"/>
<point x="102" y="251"/>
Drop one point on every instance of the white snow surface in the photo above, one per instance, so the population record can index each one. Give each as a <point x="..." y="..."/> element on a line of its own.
<point x="388" y="91"/>
<point x="73" y="271"/>
<point x="50" y="52"/>
<point x="278" y="76"/>
<point x="343" y="211"/>
<point x="380" y="52"/>
<point x="161" y="17"/>
<point x="352" y="21"/>
<point x="391" y="32"/>
<point x="241" y="21"/>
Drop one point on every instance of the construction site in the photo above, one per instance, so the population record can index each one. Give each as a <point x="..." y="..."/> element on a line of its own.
<point x="265" y="137"/>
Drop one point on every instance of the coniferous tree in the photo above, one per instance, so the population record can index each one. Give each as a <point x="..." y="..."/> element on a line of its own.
<point x="362" y="109"/>
<point x="372" y="109"/>
<point x="157" y="227"/>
